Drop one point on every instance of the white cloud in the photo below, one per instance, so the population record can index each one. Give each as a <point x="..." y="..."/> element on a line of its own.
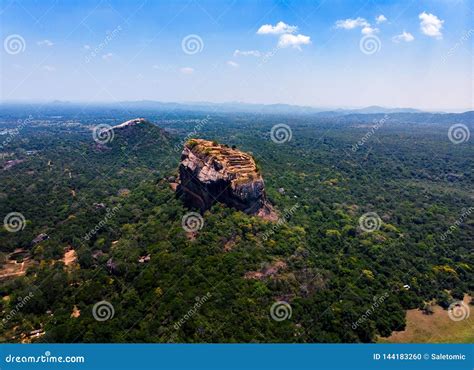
<point x="351" y="23"/>
<point x="232" y="64"/>
<point x="187" y="70"/>
<point x="295" y="41"/>
<point x="279" y="28"/>
<point x="380" y="19"/>
<point x="107" y="56"/>
<point x="45" y="43"/>
<point x="87" y="47"/>
<point x="404" y="36"/>
<point x="286" y="39"/>
<point x="49" y="68"/>
<point x="368" y="30"/>
<point x="245" y="53"/>
<point x="431" y="25"/>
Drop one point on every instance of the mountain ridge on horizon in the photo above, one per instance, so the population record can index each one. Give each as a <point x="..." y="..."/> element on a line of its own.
<point x="240" y="107"/>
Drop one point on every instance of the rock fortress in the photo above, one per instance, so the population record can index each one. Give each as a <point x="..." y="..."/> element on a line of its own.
<point x="210" y="172"/>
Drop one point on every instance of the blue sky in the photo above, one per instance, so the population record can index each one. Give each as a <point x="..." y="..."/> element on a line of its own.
<point x="318" y="53"/>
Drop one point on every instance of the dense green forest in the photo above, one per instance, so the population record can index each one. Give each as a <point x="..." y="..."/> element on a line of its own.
<point x="113" y="205"/>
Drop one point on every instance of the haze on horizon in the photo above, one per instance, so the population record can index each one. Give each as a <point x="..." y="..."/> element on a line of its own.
<point x="319" y="54"/>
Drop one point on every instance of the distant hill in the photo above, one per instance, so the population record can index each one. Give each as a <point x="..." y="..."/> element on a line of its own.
<point x="135" y="142"/>
<point x="466" y="118"/>
<point x="259" y="108"/>
<point x="377" y="109"/>
<point x="147" y="107"/>
<point x="222" y="107"/>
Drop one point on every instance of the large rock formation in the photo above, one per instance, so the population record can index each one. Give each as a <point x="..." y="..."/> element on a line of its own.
<point x="130" y="123"/>
<point x="134" y="127"/>
<point x="211" y="172"/>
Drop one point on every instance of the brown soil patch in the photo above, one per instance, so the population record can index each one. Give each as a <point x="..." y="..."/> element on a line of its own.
<point x="174" y="186"/>
<point x="12" y="268"/>
<point x="229" y="245"/>
<point x="267" y="271"/>
<point x="76" y="312"/>
<point x="70" y="257"/>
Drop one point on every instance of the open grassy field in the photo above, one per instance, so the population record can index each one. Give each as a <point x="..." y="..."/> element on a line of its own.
<point x="436" y="328"/>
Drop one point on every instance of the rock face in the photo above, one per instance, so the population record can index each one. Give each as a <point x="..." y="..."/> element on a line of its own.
<point x="211" y="172"/>
<point x="131" y="123"/>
